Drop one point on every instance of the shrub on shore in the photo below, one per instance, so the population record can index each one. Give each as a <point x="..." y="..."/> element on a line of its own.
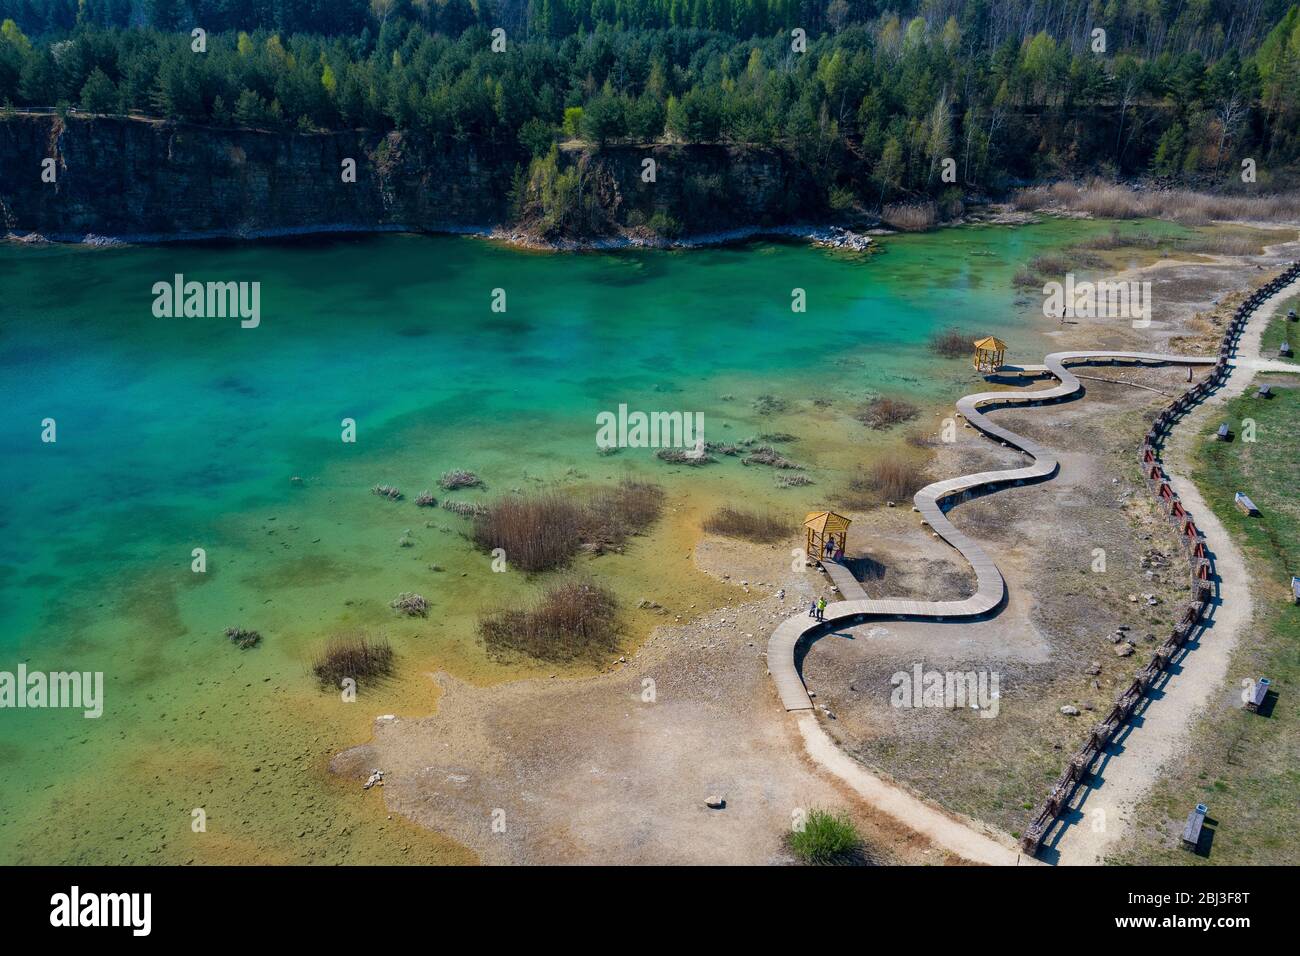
<point x="950" y="343"/>
<point x="827" y="839"/>
<point x="352" y="655"/>
<point x="573" y="620"/>
<point x="759" y="527"/>
<point x="883" y="413"/>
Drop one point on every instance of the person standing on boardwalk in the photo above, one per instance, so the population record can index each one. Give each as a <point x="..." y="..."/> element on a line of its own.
<point x="821" y="609"/>
<point x="812" y="608"/>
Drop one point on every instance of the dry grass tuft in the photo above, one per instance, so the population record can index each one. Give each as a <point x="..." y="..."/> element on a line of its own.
<point x="537" y="534"/>
<point x="1105" y="200"/>
<point x="911" y="217"/>
<point x="888" y="479"/>
<point x="544" y="532"/>
<point x="759" y="527"/>
<point x="951" y="343"/>
<point x="574" y="620"/>
<point x="352" y="655"/>
<point x="883" y="413"/>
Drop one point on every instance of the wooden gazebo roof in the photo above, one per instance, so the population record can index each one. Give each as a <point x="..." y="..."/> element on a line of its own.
<point x="824" y="522"/>
<point x="991" y="343"/>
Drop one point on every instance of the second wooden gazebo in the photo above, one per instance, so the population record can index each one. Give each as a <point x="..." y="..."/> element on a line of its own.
<point x="990" y="353"/>
<point x="823" y="528"/>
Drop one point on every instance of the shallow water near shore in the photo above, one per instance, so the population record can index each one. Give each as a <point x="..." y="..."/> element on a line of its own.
<point x="184" y="433"/>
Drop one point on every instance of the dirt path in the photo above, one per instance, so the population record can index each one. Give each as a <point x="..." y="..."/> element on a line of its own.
<point x="1134" y="762"/>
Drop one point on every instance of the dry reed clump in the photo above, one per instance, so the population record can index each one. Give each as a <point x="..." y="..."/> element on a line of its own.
<point x="680" y="456"/>
<point x="243" y="638"/>
<point x="767" y="455"/>
<point x="1055" y="266"/>
<point x="793" y="481"/>
<point x="888" y="479"/>
<point x="466" y="509"/>
<point x="1058" y="264"/>
<point x="1117" y="240"/>
<point x="537" y="533"/>
<point x="770" y="404"/>
<point x="950" y="343"/>
<point x="911" y="217"/>
<point x="410" y="604"/>
<point x="459" y="478"/>
<point x="573" y="620"/>
<point x="426" y="499"/>
<point x="352" y="655"/>
<point x="610" y="515"/>
<point x="1105" y="200"/>
<point x="1222" y="245"/>
<point x="386" y="491"/>
<point x="756" y="526"/>
<point x="883" y="413"/>
<point x="546" y="531"/>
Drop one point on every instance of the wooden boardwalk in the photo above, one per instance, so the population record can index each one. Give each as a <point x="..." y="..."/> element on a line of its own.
<point x="851" y="588"/>
<point x="935" y="499"/>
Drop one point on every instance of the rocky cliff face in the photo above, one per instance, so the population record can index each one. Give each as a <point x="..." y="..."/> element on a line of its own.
<point x="135" y="178"/>
<point x="693" y="189"/>
<point x="121" y="177"/>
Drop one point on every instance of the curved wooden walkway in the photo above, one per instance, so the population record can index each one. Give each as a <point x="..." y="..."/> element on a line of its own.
<point x="932" y="502"/>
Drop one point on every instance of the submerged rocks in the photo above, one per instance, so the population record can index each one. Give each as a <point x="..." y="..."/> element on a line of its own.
<point x="837" y="237"/>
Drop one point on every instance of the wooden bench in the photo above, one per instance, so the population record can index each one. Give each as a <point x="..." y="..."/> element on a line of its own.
<point x="1244" y="504"/>
<point x="1258" y="692"/>
<point x="1224" y="433"/>
<point x="1192" y="831"/>
<point x="1265" y="391"/>
<point x="1295" y="588"/>
<point x="1284" y="349"/>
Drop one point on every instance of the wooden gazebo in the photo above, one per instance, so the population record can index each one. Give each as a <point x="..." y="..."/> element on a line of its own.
<point x="823" y="527"/>
<point x="990" y="353"/>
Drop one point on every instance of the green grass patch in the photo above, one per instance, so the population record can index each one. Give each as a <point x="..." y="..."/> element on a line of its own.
<point x="1280" y="330"/>
<point x="827" y="839"/>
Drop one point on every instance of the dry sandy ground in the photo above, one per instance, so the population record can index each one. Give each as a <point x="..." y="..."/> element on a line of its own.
<point x="591" y="771"/>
